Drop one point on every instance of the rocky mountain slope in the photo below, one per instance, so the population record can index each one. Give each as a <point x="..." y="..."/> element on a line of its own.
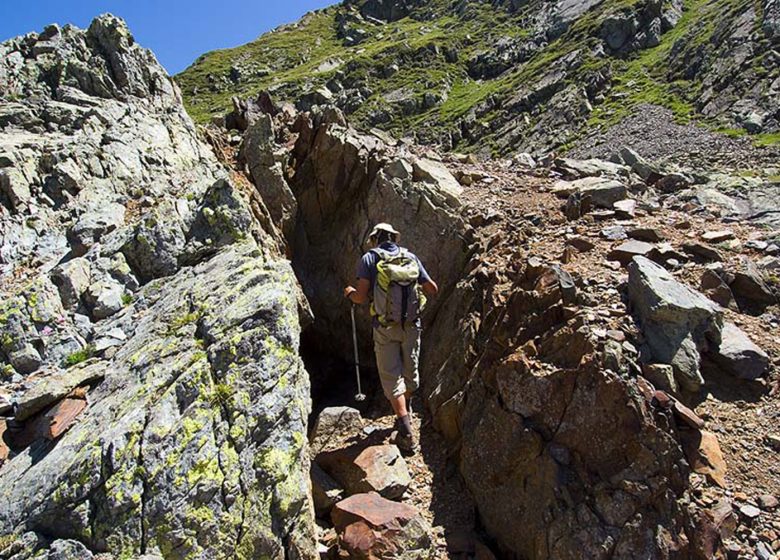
<point x="599" y="369"/>
<point x="140" y="298"/>
<point x="506" y="76"/>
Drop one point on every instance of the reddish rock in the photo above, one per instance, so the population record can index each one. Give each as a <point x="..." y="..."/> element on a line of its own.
<point x="371" y="527"/>
<point x="50" y="424"/>
<point x="704" y="455"/>
<point x="713" y="526"/>
<point x="717" y="236"/>
<point x="688" y="416"/>
<point x="379" y="468"/>
<point x="630" y="249"/>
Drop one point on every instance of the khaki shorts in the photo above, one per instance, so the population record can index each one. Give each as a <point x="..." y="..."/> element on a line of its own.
<point x="397" y="358"/>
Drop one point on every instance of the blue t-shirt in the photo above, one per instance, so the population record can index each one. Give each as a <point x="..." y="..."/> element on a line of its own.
<point x="367" y="266"/>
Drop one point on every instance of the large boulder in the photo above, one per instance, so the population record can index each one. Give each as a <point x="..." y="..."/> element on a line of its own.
<point x="370" y="526"/>
<point x="678" y="323"/>
<point x="184" y="435"/>
<point x="378" y="468"/>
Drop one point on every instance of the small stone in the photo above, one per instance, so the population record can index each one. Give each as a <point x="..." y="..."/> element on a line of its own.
<point x="717" y="236"/>
<point x="325" y="491"/>
<point x="581" y="244"/>
<point x="749" y="512"/>
<point x="704" y="454"/>
<point x="763" y="552"/>
<point x="768" y="502"/>
<point x="626" y="208"/>
<point x="332" y="423"/>
<point x="650" y="235"/>
<point x="5" y="405"/>
<point x="630" y="249"/>
<point x="756" y="244"/>
<point x="738" y="355"/>
<point x="773" y="441"/>
<point x="105" y="298"/>
<point x="368" y="524"/>
<point x="702" y="252"/>
<point x="379" y="468"/>
<point x="25" y="360"/>
<point x="614" y="233"/>
<point x="618" y="336"/>
<point x="733" y="550"/>
<point x="682" y="225"/>
<point x="717" y="290"/>
<point x="602" y="215"/>
<point x="661" y="376"/>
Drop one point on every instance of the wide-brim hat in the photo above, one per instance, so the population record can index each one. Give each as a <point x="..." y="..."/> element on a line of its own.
<point x="383" y="227"/>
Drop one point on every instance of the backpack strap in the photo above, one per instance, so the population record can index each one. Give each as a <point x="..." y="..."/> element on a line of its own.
<point x="380" y="253"/>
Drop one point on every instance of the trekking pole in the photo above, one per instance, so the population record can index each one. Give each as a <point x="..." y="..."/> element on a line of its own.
<point x="360" y="397"/>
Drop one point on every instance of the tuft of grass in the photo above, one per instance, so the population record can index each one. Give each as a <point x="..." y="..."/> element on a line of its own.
<point x="6" y="541"/>
<point x="768" y="140"/>
<point x="80" y="356"/>
<point x="223" y="395"/>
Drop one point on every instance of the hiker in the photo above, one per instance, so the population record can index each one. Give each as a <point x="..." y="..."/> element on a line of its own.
<point x="395" y="282"/>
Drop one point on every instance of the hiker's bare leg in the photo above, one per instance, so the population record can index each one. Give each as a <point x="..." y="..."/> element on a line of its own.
<point x="399" y="405"/>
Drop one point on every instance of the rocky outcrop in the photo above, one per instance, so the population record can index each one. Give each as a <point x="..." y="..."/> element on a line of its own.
<point x="167" y="407"/>
<point x="678" y="322"/>
<point x="544" y="415"/>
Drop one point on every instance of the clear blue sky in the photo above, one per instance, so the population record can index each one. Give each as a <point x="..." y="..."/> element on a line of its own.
<point x="178" y="31"/>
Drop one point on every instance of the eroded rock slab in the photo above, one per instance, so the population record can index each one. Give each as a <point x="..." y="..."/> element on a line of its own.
<point x="678" y="322"/>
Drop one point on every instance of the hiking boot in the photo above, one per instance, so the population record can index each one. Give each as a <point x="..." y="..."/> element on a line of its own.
<point x="405" y="439"/>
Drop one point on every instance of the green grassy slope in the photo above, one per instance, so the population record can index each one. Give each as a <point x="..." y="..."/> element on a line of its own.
<point x="432" y="53"/>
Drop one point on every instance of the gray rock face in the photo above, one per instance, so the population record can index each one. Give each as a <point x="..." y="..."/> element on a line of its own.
<point x="339" y="174"/>
<point x="771" y="23"/>
<point x="678" y="322"/>
<point x="265" y="160"/>
<point x="602" y="192"/>
<point x="738" y="355"/>
<point x="146" y="258"/>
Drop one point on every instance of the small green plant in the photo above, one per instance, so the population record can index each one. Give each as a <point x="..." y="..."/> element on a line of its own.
<point x="184" y="320"/>
<point x="80" y="356"/>
<point x="223" y="394"/>
<point x="6" y="541"/>
<point x="127" y="299"/>
<point x="7" y="371"/>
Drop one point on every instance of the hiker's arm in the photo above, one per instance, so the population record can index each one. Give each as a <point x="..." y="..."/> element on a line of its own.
<point x="358" y="296"/>
<point x="430" y="288"/>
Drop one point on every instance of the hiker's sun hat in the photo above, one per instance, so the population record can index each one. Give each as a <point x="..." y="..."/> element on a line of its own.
<point x="383" y="227"/>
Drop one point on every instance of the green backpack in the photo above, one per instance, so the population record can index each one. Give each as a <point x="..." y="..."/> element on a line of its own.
<point x="398" y="298"/>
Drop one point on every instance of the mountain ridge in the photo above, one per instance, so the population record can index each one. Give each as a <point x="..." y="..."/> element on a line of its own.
<point x="511" y="76"/>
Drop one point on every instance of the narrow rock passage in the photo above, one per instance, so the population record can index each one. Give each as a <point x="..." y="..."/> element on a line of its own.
<point x="435" y="488"/>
